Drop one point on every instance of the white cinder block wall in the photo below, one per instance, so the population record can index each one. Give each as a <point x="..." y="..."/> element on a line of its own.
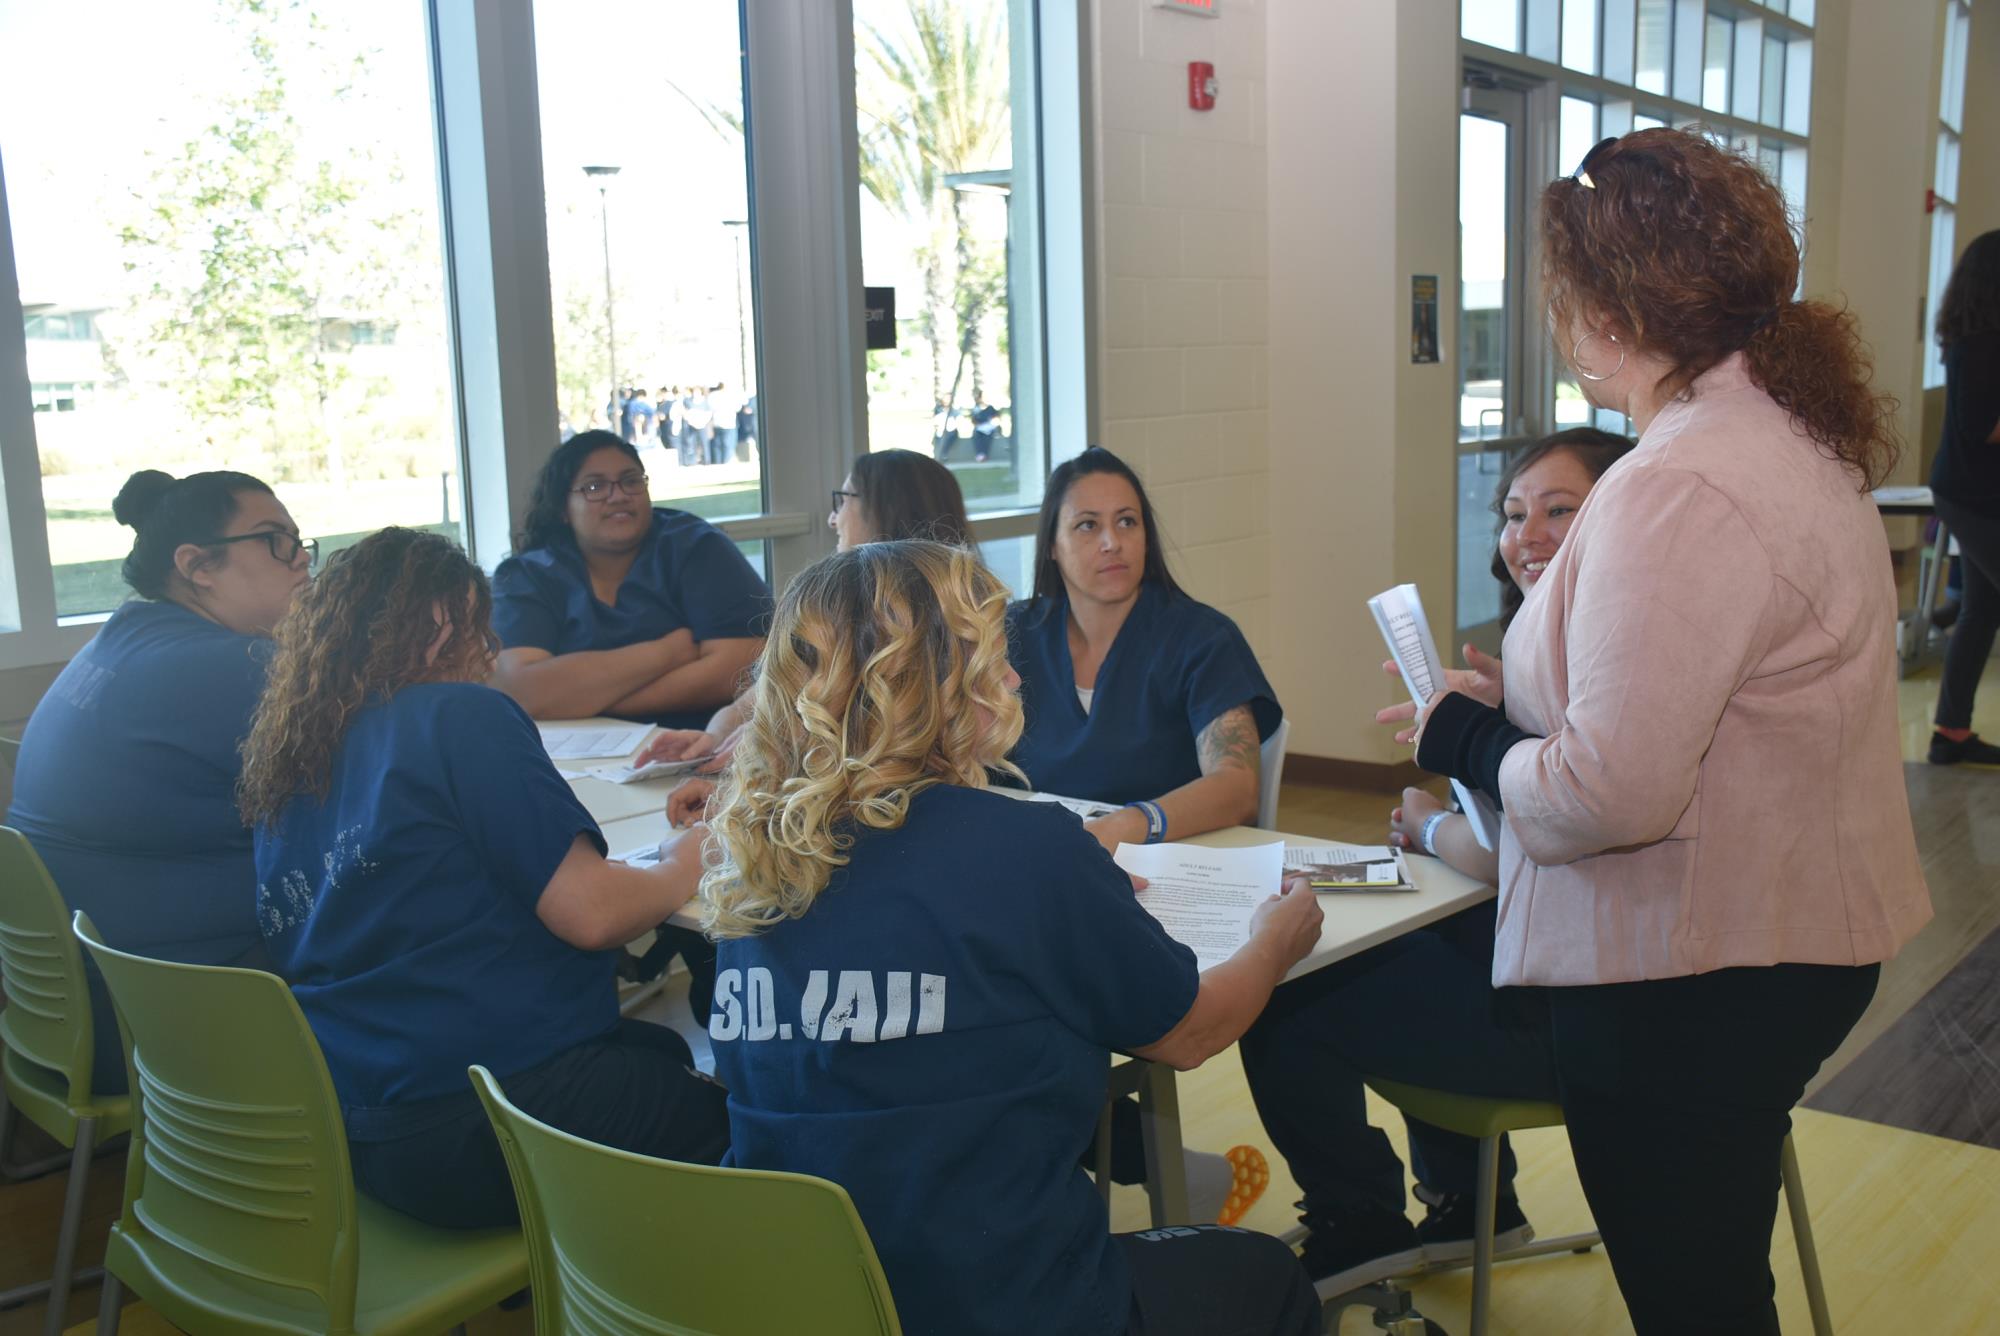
<point x="1183" y="275"/>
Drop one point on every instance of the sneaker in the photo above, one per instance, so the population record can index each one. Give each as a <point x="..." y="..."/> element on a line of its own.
<point x="1359" y="1249"/>
<point x="1446" y="1230"/>
<point x="1974" y="751"/>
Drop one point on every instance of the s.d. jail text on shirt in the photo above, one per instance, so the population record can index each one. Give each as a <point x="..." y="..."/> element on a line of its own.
<point x="855" y="1006"/>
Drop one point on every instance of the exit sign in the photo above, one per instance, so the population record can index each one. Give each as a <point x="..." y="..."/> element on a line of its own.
<point x="1200" y="8"/>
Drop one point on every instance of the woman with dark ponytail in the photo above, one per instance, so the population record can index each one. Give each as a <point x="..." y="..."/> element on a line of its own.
<point x="127" y="776"/>
<point x="1707" y="850"/>
<point x="1965" y="480"/>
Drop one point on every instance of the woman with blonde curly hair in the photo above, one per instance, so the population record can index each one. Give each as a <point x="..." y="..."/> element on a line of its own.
<point x="437" y="897"/>
<point x="920" y="980"/>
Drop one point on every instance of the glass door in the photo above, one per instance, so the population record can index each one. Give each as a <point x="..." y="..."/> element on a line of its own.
<point x="1491" y="255"/>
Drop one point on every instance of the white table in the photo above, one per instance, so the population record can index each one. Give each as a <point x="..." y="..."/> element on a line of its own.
<point x="1915" y="642"/>
<point x="633" y="815"/>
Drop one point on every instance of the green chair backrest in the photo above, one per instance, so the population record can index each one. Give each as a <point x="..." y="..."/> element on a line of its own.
<point x="621" y="1243"/>
<point x="47" y="1019"/>
<point x="238" y="1157"/>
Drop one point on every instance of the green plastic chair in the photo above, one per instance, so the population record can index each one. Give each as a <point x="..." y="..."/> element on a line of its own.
<point x="240" y="1210"/>
<point x="1486" y="1119"/>
<point x="623" y="1243"/>
<point x="45" y="1070"/>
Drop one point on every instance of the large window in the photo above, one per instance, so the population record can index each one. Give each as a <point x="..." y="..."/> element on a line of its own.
<point x="386" y="253"/>
<point x="944" y="144"/>
<point x="241" y="270"/>
<point x="1944" y="188"/>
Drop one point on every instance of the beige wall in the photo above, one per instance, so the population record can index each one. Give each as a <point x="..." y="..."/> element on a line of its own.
<point x="1182" y="281"/>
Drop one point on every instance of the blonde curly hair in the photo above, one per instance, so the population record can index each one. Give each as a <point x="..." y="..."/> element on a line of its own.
<point x="885" y="673"/>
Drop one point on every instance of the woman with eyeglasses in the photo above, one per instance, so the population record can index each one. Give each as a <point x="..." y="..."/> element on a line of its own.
<point x="611" y="605"/>
<point x="127" y="775"/>
<point x="1707" y="850"/>
<point x="436" y="896"/>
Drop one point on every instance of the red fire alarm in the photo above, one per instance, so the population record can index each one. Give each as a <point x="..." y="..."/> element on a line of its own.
<point x="1201" y="85"/>
<point x="1930" y="201"/>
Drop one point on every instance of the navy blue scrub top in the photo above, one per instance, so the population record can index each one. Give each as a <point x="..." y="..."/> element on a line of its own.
<point x="1175" y="667"/>
<point x="401" y="907"/>
<point x="934" y="1035"/>
<point x="688" y="574"/>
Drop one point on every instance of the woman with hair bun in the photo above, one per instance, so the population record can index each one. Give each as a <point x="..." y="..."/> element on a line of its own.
<point x="127" y="776"/>
<point x="1707" y="850"/>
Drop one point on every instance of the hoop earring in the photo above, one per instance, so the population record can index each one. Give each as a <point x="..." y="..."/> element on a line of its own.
<point x="1576" y="362"/>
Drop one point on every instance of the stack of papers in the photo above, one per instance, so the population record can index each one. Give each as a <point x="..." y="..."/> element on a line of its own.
<point x="1204" y="897"/>
<point x="575" y="744"/>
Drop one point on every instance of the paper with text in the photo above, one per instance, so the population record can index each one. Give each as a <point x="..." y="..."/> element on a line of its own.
<point x="1399" y="613"/>
<point x="1204" y="897"/>
<point x="575" y="744"/>
<point x="1359" y="867"/>
<point x="625" y="774"/>
<point x="1083" y="807"/>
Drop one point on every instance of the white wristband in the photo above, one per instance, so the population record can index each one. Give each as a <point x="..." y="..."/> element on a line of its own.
<point x="1428" y="834"/>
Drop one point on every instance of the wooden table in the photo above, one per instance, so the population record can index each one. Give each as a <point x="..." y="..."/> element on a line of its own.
<point x="633" y="815"/>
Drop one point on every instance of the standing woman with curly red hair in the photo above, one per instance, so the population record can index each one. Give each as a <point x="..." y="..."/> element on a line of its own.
<point x="1707" y="849"/>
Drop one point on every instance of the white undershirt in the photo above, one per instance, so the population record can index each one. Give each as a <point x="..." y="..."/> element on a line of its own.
<point x="1084" y="694"/>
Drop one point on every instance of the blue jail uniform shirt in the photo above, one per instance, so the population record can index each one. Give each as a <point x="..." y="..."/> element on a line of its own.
<point x="688" y="574"/>
<point x="126" y="787"/>
<point x="934" y="1035"/>
<point x="401" y="907"/>
<point x="1175" y="667"/>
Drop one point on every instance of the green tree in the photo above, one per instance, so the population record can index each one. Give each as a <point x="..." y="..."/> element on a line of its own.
<point x="256" y="249"/>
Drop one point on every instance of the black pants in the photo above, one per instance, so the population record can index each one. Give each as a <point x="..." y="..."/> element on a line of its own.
<point x="670" y="940"/>
<point x="1211" y="1280"/>
<point x="1399" y="1004"/>
<point x="1978" y="536"/>
<point x="1677" y="1094"/>
<point x="635" y="1089"/>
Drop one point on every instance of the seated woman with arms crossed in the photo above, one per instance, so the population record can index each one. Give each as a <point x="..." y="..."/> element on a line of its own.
<point x="1134" y="693"/>
<point x="921" y="982"/>
<point x="126" y="782"/>
<point x="610" y="605"/>
<point x="436" y="896"/>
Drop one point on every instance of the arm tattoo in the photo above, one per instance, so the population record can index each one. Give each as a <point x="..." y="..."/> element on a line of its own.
<point x="1229" y="742"/>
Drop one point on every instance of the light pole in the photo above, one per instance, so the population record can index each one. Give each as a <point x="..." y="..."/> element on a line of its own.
<point x="736" y="227"/>
<point x="602" y="175"/>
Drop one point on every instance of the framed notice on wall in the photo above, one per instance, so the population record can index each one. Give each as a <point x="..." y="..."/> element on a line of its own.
<point x="1423" y="318"/>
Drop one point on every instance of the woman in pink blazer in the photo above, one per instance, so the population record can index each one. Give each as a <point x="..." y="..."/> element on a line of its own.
<point x="1707" y="849"/>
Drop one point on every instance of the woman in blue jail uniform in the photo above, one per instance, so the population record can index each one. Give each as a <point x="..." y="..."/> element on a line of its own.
<point x="126" y="783"/>
<point x="611" y="605"/>
<point x="436" y="896"/>
<point x="923" y="980"/>
<point x="1134" y="693"/>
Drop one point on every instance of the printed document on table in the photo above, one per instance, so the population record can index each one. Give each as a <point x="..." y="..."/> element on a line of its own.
<point x="1204" y="897"/>
<point x="575" y="744"/>
<point x="1358" y="867"/>
<point x="1399" y="613"/>
<point x="1083" y="807"/>
<point x="625" y="774"/>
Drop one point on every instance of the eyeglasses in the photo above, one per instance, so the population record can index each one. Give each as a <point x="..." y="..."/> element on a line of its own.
<point x="1582" y="173"/>
<point x="598" y="490"/>
<point x="285" y="547"/>
<point x="840" y="498"/>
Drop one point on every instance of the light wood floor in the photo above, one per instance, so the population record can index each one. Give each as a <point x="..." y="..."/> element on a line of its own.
<point x="1908" y="1225"/>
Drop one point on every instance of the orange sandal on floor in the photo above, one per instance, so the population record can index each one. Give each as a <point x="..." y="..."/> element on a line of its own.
<point x="1249" y="1176"/>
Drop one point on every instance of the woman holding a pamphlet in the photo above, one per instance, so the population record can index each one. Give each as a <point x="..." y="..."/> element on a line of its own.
<point x="1707" y="850"/>
<point x="922" y="980"/>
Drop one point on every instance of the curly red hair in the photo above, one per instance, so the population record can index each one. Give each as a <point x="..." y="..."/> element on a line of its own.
<point x="1687" y="248"/>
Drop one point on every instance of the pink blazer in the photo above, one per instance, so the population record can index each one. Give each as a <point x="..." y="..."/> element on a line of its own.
<point x="1709" y="663"/>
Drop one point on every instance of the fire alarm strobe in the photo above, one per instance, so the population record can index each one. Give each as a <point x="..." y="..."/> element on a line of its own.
<point x="1201" y="85"/>
<point x="1200" y="8"/>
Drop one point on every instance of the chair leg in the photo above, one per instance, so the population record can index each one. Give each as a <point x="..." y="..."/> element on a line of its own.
<point x="72" y="1224"/>
<point x="1795" y="1202"/>
<point x="1103" y="1166"/>
<point x="110" y="1305"/>
<point x="1484" y="1205"/>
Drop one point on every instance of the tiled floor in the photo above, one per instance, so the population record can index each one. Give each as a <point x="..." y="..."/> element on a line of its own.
<point x="1907" y="1223"/>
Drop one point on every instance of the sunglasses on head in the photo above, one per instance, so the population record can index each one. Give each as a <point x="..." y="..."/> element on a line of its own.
<point x="1582" y="173"/>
